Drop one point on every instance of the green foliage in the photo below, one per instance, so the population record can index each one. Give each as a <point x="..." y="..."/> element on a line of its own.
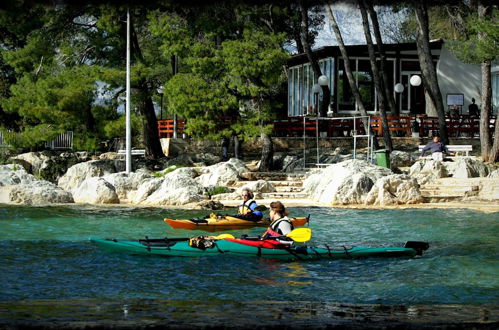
<point x="166" y="171"/>
<point x="255" y="63"/>
<point x="56" y="64"/>
<point x="482" y="42"/>
<point x="31" y="138"/>
<point x="217" y="190"/>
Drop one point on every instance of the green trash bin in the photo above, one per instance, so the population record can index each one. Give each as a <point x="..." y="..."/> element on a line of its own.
<point x="383" y="158"/>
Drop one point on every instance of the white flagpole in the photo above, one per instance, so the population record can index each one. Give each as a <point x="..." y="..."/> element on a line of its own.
<point x="128" y="156"/>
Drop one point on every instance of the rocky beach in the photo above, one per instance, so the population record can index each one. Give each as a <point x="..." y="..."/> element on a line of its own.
<point x="202" y="181"/>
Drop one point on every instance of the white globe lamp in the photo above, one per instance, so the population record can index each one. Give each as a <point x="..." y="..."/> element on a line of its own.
<point x="323" y="81"/>
<point x="415" y="80"/>
<point x="399" y="88"/>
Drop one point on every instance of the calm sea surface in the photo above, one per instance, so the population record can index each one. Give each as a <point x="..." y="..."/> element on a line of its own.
<point x="48" y="264"/>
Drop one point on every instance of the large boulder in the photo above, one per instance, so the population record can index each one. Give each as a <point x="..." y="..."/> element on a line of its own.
<point x="464" y="168"/>
<point x="258" y="187"/>
<point x="402" y="158"/>
<point x="19" y="187"/>
<point x="428" y="170"/>
<point x="35" y="193"/>
<point x="49" y="165"/>
<point x="176" y="188"/>
<point x="494" y="174"/>
<point x="125" y="183"/>
<point x="78" y="173"/>
<point x="194" y="159"/>
<point x="95" y="190"/>
<point x="347" y="182"/>
<point x="222" y="174"/>
<point x="425" y="171"/>
<point x="145" y="190"/>
<point x="394" y="189"/>
<point x="13" y="174"/>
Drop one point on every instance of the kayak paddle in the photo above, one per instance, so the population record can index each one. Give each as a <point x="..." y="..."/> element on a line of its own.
<point x="300" y="234"/>
<point x="222" y="236"/>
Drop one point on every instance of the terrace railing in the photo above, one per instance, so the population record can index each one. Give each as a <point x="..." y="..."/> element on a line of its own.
<point x="63" y="141"/>
<point x="457" y="126"/>
<point x="166" y="127"/>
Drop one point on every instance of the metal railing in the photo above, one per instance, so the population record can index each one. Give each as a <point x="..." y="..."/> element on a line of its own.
<point x="62" y="141"/>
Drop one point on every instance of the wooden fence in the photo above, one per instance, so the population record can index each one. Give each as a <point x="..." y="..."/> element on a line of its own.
<point x="166" y="127"/>
<point x="458" y="126"/>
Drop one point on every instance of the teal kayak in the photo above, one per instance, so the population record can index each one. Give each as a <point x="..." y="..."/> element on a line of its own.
<point x="181" y="248"/>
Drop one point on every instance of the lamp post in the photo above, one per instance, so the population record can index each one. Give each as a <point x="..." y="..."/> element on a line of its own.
<point x="323" y="81"/>
<point x="160" y="92"/>
<point x="316" y="90"/>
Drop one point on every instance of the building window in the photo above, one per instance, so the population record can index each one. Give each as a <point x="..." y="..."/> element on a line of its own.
<point x="495" y="92"/>
<point x="364" y="79"/>
<point x="301" y="80"/>
<point x="346" y="100"/>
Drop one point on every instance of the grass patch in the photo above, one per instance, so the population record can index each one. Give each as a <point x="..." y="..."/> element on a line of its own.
<point x="217" y="190"/>
<point x="166" y="171"/>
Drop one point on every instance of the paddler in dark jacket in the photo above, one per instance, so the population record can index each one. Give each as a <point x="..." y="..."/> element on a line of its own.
<point x="280" y="224"/>
<point x="247" y="210"/>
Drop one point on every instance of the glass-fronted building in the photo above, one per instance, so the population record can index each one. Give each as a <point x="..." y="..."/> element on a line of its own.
<point x="455" y="78"/>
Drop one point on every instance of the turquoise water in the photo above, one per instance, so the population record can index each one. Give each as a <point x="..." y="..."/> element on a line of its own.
<point x="45" y="255"/>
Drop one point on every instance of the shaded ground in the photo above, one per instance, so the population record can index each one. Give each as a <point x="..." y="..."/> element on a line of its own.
<point x="151" y="314"/>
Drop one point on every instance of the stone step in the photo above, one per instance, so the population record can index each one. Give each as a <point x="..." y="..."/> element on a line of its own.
<point x="290" y="183"/>
<point x="273" y="176"/>
<point x="284" y="195"/>
<point x="446" y="194"/>
<point x="449" y="189"/>
<point x="456" y="185"/>
<point x="288" y="188"/>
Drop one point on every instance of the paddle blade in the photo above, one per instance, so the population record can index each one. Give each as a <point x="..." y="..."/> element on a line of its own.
<point x="222" y="236"/>
<point x="300" y="234"/>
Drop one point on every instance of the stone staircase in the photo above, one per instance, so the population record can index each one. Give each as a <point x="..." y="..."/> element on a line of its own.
<point x="450" y="189"/>
<point x="288" y="185"/>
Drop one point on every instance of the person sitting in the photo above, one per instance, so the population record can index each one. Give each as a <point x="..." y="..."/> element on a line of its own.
<point x="280" y="225"/>
<point x="247" y="210"/>
<point x="437" y="149"/>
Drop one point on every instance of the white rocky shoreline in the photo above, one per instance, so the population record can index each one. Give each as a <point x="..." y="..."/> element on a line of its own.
<point x="348" y="183"/>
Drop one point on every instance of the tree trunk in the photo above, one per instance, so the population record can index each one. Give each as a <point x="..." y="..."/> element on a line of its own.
<point x="267" y="160"/>
<point x="348" y="70"/>
<point x="326" y="93"/>
<point x="146" y="109"/>
<point x="494" y="153"/>
<point x="429" y="74"/>
<point x="236" y="141"/>
<point x="387" y="89"/>
<point x="485" y="138"/>
<point x="377" y="80"/>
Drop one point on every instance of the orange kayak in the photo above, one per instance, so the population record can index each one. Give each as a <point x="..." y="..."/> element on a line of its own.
<point x="226" y="222"/>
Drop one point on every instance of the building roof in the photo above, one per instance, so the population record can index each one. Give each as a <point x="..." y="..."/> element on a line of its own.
<point x="405" y="49"/>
